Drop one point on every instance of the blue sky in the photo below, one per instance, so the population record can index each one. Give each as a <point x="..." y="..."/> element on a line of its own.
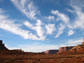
<point x="39" y="25"/>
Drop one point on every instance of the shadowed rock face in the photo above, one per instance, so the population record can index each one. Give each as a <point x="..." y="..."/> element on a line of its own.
<point x="2" y="46"/>
<point x="51" y="52"/>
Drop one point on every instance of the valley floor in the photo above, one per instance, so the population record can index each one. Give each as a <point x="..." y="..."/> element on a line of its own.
<point x="42" y="58"/>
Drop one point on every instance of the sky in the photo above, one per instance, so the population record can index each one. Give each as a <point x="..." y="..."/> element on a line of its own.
<point x="40" y="25"/>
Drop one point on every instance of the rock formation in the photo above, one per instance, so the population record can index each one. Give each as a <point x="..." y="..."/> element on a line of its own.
<point x="51" y="51"/>
<point x="63" y="49"/>
<point x="77" y="49"/>
<point x="2" y="46"/>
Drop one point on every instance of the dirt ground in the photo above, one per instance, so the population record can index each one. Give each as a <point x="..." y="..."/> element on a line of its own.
<point x="41" y="58"/>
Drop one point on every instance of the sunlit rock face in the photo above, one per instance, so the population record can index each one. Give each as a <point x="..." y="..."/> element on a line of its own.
<point x="64" y="49"/>
<point x="72" y="49"/>
<point x="78" y="49"/>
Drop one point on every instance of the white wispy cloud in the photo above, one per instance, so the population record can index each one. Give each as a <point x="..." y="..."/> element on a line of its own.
<point x="78" y="3"/>
<point x="60" y="30"/>
<point x="9" y="25"/>
<point x="27" y="7"/>
<point x="50" y="18"/>
<point x="69" y="10"/>
<point x="2" y="11"/>
<point x="61" y="16"/>
<point x="79" y="21"/>
<point x="37" y="28"/>
<point x="79" y="17"/>
<point x="41" y="29"/>
<point x="64" y="18"/>
<point x="71" y="32"/>
<point x="74" y="42"/>
<point x="28" y="24"/>
<point x="50" y="28"/>
<point x="79" y="14"/>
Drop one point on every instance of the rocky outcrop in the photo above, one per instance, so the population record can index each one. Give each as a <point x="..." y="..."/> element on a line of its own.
<point x="72" y="49"/>
<point x="2" y="46"/>
<point x="77" y="49"/>
<point x="63" y="49"/>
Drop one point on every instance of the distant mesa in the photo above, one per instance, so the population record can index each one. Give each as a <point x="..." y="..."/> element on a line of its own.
<point x="51" y="51"/>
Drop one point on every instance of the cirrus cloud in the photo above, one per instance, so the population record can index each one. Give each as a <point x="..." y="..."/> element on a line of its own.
<point x="27" y="7"/>
<point x="9" y="25"/>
